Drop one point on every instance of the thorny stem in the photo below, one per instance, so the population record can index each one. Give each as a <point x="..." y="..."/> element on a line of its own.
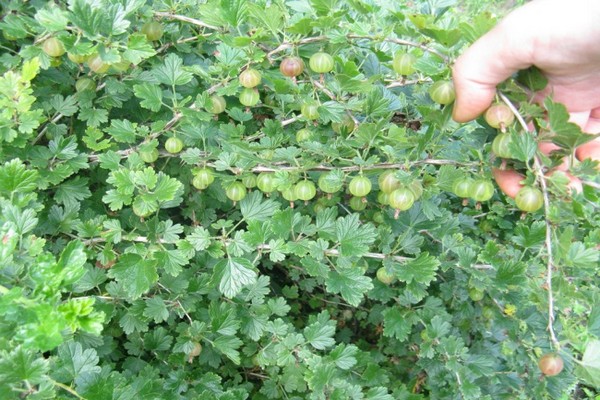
<point x="178" y="115"/>
<point x="185" y="19"/>
<point x="287" y="45"/>
<point x="66" y="388"/>
<point x="55" y="119"/>
<point x="289" y="121"/>
<point x="407" y="83"/>
<point x="180" y="41"/>
<point x="548" y="241"/>
<point x="184" y="311"/>
<point x="330" y="94"/>
<point x="324" y="89"/>
<point x="341" y="304"/>
<point x="354" y="168"/>
<point x="286" y="167"/>
<point x="170" y="124"/>
<point x="266" y="247"/>
<point x="404" y="43"/>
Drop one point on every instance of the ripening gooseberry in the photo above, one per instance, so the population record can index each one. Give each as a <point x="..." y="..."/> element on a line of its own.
<point x="551" y="364"/>
<point x="139" y="211"/>
<point x="388" y="181"/>
<point x="476" y="294"/>
<point x="203" y="178"/>
<point x="529" y="199"/>
<point x="383" y="198"/>
<point x="321" y="62"/>
<point x="416" y="188"/>
<point x="384" y="276"/>
<point x="357" y="203"/>
<point x="235" y="191"/>
<point x="96" y="64"/>
<point x="249" y="97"/>
<point x="77" y="58"/>
<point x="266" y="182"/>
<point x="53" y="47"/>
<point x="401" y="199"/>
<point x="289" y="194"/>
<point x="249" y="181"/>
<point x="500" y="145"/>
<point x="310" y="110"/>
<point x="360" y="186"/>
<point x="250" y="78"/>
<point x="153" y="30"/>
<point x="499" y="116"/>
<point x="481" y="190"/>
<point x="291" y="66"/>
<point x="149" y="156"/>
<point x="84" y="84"/>
<point x="303" y="135"/>
<point x="173" y="145"/>
<point x="462" y="187"/>
<point x="404" y="63"/>
<point x="346" y="126"/>
<point x="216" y="104"/>
<point x="442" y="92"/>
<point x="305" y="190"/>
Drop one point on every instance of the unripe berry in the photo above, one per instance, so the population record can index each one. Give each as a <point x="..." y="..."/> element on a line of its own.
<point x="499" y="116"/>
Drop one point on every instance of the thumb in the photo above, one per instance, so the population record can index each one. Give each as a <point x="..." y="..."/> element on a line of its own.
<point x="490" y="60"/>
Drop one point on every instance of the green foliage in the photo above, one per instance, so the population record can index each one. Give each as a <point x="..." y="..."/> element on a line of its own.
<point x="119" y="279"/>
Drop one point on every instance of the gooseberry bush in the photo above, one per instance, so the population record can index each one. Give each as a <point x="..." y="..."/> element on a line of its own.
<point x="235" y="199"/>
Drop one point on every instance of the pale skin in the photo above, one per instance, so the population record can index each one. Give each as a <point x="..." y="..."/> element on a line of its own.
<point x="562" y="40"/>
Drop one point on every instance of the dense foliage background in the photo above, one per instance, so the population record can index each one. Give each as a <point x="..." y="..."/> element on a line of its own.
<point x="119" y="279"/>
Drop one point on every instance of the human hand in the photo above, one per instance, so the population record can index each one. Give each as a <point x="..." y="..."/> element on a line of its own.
<point x="561" y="40"/>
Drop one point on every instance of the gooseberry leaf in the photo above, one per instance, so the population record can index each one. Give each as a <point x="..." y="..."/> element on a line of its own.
<point x="320" y="333"/>
<point x="522" y="146"/>
<point x="589" y="367"/>
<point x="233" y="274"/>
<point x="22" y="365"/>
<point x="395" y="324"/>
<point x="421" y="269"/>
<point x="567" y="135"/>
<point x="353" y="236"/>
<point x="350" y="283"/>
<point x="16" y="177"/>
<point x="137" y="275"/>
<point x="255" y="208"/>
<point x="74" y="362"/>
<point x="171" y="72"/>
<point x="138" y="49"/>
<point x="150" y="95"/>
